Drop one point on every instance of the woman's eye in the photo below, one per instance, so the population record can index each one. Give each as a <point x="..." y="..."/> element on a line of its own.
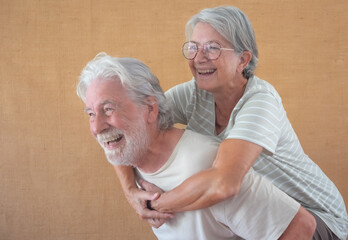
<point x="212" y="48"/>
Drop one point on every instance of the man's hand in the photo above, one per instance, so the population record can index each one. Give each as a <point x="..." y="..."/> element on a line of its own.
<point x="149" y="187"/>
<point x="138" y="199"/>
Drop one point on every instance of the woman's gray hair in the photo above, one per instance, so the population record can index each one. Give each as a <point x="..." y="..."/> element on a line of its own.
<point x="135" y="77"/>
<point x="234" y="26"/>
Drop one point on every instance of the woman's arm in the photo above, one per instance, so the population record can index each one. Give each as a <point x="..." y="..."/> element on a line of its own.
<point x="234" y="159"/>
<point x="137" y="198"/>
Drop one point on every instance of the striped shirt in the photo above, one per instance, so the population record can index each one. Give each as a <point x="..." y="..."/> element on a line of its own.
<point x="259" y="117"/>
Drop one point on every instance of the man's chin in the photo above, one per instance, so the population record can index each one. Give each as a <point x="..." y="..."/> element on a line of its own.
<point x="113" y="162"/>
<point x="113" y="159"/>
<point x="118" y="162"/>
<point x="116" y="159"/>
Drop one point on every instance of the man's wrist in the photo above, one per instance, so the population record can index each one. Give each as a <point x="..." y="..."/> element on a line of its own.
<point x="130" y="191"/>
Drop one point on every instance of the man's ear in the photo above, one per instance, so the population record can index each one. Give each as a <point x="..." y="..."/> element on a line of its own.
<point x="245" y="58"/>
<point x="152" y="108"/>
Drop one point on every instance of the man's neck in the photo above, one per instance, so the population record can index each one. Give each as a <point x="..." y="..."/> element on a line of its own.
<point x="161" y="148"/>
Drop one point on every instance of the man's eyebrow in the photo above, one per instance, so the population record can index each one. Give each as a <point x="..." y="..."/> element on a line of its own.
<point x="86" y="109"/>
<point x="108" y="102"/>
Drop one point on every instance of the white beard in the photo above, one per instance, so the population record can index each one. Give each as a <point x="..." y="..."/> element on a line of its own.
<point x="136" y="141"/>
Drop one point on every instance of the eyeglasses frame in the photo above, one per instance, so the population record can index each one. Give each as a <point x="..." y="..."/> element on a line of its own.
<point x="202" y="47"/>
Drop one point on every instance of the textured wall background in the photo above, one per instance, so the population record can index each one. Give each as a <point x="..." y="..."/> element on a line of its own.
<point x="54" y="180"/>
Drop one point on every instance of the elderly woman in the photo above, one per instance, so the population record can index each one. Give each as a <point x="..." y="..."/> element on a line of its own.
<point x="226" y="100"/>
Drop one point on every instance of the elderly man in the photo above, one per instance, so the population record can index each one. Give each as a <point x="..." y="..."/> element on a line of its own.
<point x="132" y="122"/>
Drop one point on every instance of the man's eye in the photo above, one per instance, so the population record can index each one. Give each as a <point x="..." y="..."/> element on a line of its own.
<point x="108" y="111"/>
<point x="91" y="115"/>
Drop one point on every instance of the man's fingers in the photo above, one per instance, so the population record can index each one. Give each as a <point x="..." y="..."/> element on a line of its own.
<point x="148" y="186"/>
<point x="156" y="223"/>
<point x="138" y="201"/>
<point x="147" y="195"/>
<point x="156" y="219"/>
<point x="148" y="214"/>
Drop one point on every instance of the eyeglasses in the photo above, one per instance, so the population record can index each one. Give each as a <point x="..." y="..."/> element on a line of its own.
<point x="211" y="50"/>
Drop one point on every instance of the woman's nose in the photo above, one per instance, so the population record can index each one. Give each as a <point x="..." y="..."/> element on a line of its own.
<point x="201" y="55"/>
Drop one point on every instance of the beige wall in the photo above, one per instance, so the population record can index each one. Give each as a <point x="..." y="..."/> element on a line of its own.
<point x="54" y="180"/>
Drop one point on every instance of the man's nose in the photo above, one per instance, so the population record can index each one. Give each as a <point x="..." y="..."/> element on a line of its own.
<point x="99" y="124"/>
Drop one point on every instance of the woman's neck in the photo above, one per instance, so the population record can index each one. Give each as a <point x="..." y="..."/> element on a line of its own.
<point x="225" y="103"/>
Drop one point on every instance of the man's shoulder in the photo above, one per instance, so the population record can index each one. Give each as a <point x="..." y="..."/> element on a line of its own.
<point x="201" y="139"/>
<point x="197" y="150"/>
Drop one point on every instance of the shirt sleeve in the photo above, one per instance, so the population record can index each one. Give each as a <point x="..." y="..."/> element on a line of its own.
<point x="259" y="121"/>
<point x="179" y="97"/>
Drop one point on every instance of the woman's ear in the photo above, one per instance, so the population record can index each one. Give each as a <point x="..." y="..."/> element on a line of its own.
<point x="245" y="58"/>
<point x="152" y="108"/>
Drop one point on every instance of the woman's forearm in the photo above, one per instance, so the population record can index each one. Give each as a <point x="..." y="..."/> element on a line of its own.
<point x="211" y="186"/>
<point x="199" y="191"/>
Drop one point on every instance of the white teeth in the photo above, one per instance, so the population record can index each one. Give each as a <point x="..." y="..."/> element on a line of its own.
<point x="206" y="71"/>
<point x="112" y="135"/>
<point x="114" y="139"/>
